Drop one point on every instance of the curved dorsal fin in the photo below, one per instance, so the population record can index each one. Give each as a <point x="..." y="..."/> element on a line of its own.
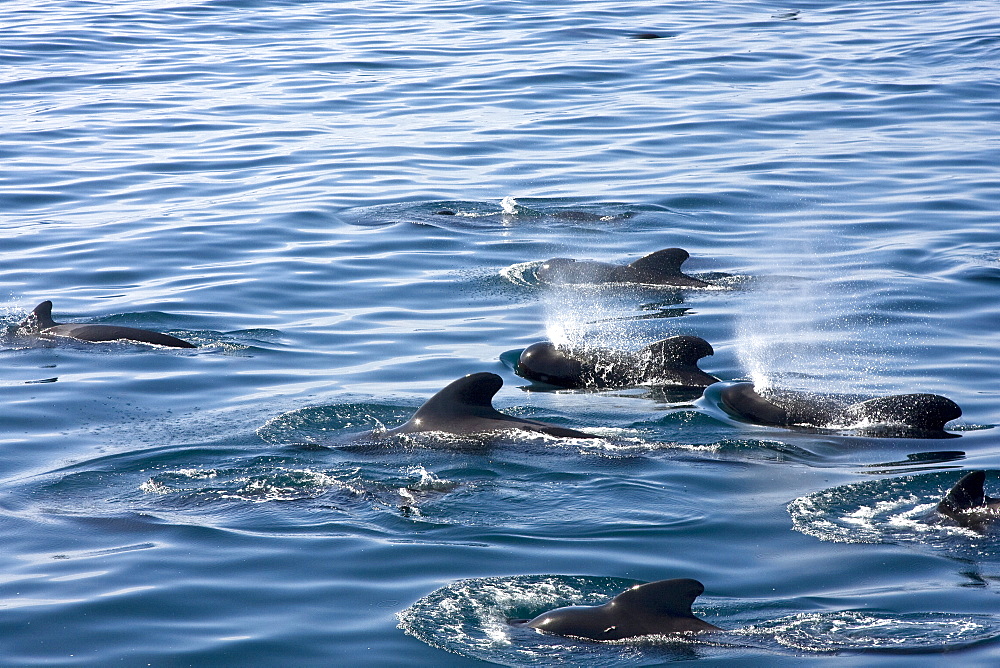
<point x="471" y="395"/>
<point x="665" y="597"/>
<point x="685" y="350"/>
<point x="967" y="493"/>
<point x="666" y="262"/>
<point x="41" y="317"/>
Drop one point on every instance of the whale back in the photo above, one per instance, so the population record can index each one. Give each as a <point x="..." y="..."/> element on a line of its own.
<point x="673" y="360"/>
<point x="912" y="415"/>
<point x="567" y="270"/>
<point x="662" y="607"/>
<point x="40" y="322"/>
<point x="102" y="333"/>
<point x="580" y="621"/>
<point x="660" y="268"/>
<point x="927" y="412"/>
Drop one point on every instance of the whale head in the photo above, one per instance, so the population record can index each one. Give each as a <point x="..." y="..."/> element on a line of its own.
<point x="548" y="363"/>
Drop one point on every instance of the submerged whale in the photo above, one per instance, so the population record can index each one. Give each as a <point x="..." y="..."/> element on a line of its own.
<point x="660" y="268"/>
<point x="656" y="608"/>
<point x="672" y="361"/>
<point x="40" y="322"/>
<point x="967" y="503"/>
<point x="465" y="407"/>
<point x="897" y="415"/>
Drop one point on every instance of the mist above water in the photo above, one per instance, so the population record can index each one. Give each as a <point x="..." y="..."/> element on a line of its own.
<point x="595" y="316"/>
<point x="809" y="333"/>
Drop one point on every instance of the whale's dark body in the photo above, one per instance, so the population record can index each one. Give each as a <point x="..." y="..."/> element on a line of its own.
<point x="40" y="322"/>
<point x="967" y="503"/>
<point x="465" y="407"/>
<point x="672" y="361"/>
<point x="898" y="415"/>
<point x="656" y="608"/>
<point x="660" y="268"/>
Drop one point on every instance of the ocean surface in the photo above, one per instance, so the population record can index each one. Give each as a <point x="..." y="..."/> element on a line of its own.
<point x="267" y="179"/>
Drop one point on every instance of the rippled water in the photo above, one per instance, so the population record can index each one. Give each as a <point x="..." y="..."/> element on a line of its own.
<point x="266" y="180"/>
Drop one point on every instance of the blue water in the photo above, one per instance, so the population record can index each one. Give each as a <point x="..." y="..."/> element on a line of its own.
<point x="262" y="178"/>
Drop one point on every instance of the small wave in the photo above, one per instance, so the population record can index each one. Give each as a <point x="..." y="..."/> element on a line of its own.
<point x="469" y="618"/>
<point x="475" y="215"/>
<point x="522" y="273"/>
<point x="893" y="510"/>
<point x="330" y="425"/>
<point x="260" y="486"/>
<point x="429" y="485"/>
<point x="877" y="632"/>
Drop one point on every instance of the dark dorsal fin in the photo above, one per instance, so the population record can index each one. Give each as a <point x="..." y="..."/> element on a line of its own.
<point x="666" y="262"/>
<point x="664" y="597"/>
<point x="470" y="395"/>
<point x="682" y="350"/>
<point x="41" y="317"/>
<point x="968" y="493"/>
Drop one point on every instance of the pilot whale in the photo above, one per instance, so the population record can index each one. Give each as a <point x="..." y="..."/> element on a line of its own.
<point x="655" y="608"/>
<point x="967" y="503"/>
<point x="40" y="322"/>
<point x="465" y="407"/>
<point x="672" y="361"/>
<point x="897" y="415"/>
<point x="660" y="268"/>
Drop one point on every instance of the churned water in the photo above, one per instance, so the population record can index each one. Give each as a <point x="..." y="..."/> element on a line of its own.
<point x="268" y="179"/>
